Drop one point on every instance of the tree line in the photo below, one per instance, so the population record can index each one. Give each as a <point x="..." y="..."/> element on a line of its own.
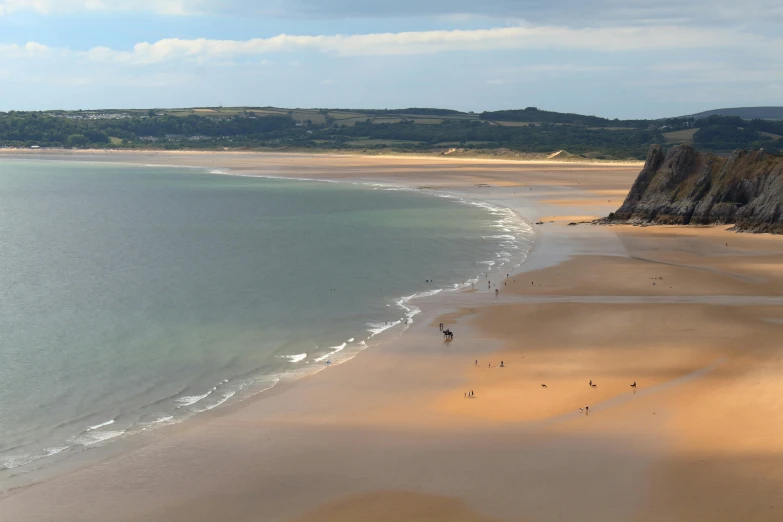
<point x="574" y="133"/>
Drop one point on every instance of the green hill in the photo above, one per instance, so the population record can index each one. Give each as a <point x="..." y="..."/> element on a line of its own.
<point x="429" y="130"/>
<point x="746" y="113"/>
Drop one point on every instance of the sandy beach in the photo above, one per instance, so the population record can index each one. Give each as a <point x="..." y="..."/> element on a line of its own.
<point x="692" y="315"/>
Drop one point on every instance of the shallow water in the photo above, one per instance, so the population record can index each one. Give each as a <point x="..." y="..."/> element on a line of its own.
<point x="135" y="297"/>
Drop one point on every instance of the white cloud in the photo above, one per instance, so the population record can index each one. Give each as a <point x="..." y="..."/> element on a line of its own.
<point x="28" y="50"/>
<point x="565" y="67"/>
<point x="619" y="39"/>
<point x="579" y="12"/>
<point x="715" y="73"/>
<point x="47" y="7"/>
<point x="545" y="64"/>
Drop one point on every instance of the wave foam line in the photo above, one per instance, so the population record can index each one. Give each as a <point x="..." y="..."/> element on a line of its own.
<point x="295" y="358"/>
<point x="190" y="400"/>
<point x="335" y="349"/>
<point x="223" y="399"/>
<point x="379" y="328"/>
<point x="97" y="436"/>
<point x="101" y="425"/>
<point x="15" y="461"/>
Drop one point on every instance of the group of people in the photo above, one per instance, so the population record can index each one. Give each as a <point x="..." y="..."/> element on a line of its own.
<point x="449" y="335"/>
<point x="489" y="364"/>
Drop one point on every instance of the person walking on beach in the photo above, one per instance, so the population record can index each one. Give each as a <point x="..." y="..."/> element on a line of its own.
<point x="476" y="362"/>
<point x="441" y="327"/>
<point x="496" y="292"/>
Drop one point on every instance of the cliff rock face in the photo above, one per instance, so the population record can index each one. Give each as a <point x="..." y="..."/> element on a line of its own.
<point x="687" y="187"/>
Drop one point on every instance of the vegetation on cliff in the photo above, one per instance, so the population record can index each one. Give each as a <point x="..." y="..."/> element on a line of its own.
<point x="685" y="187"/>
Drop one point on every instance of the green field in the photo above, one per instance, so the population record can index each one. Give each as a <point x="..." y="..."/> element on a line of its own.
<point x="376" y="142"/>
<point x="528" y="130"/>
<point x="770" y="135"/>
<point x="459" y="144"/>
<point x="680" y="137"/>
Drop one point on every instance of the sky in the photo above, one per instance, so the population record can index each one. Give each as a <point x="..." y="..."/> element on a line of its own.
<point x="612" y="58"/>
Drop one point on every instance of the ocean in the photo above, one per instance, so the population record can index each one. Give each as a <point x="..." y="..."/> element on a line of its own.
<point x="134" y="297"/>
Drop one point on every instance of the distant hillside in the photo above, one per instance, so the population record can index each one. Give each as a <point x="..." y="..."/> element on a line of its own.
<point x="533" y="115"/>
<point x="746" y="113"/>
<point x="430" y="130"/>
<point x="419" y="111"/>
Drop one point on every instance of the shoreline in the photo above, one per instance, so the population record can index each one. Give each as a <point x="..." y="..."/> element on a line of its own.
<point x="12" y="151"/>
<point x="396" y="329"/>
<point x="393" y="432"/>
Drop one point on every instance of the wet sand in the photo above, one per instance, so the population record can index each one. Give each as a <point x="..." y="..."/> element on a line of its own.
<point x="690" y="314"/>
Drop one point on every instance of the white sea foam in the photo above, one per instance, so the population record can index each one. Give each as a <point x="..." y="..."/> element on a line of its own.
<point x="379" y="328"/>
<point x="191" y="399"/>
<point x="101" y="425"/>
<point x="222" y="399"/>
<point x="501" y="236"/>
<point x="15" y="461"/>
<point x="54" y="451"/>
<point x="295" y="358"/>
<point x="96" y="437"/>
<point x="334" y="349"/>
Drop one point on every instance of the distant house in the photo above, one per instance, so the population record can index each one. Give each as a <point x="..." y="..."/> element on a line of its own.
<point x="95" y="116"/>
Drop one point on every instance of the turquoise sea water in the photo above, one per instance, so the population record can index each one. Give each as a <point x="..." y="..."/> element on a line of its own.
<point x="134" y="297"/>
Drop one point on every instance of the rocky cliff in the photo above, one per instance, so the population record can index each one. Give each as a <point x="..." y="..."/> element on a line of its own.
<point x="687" y="187"/>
